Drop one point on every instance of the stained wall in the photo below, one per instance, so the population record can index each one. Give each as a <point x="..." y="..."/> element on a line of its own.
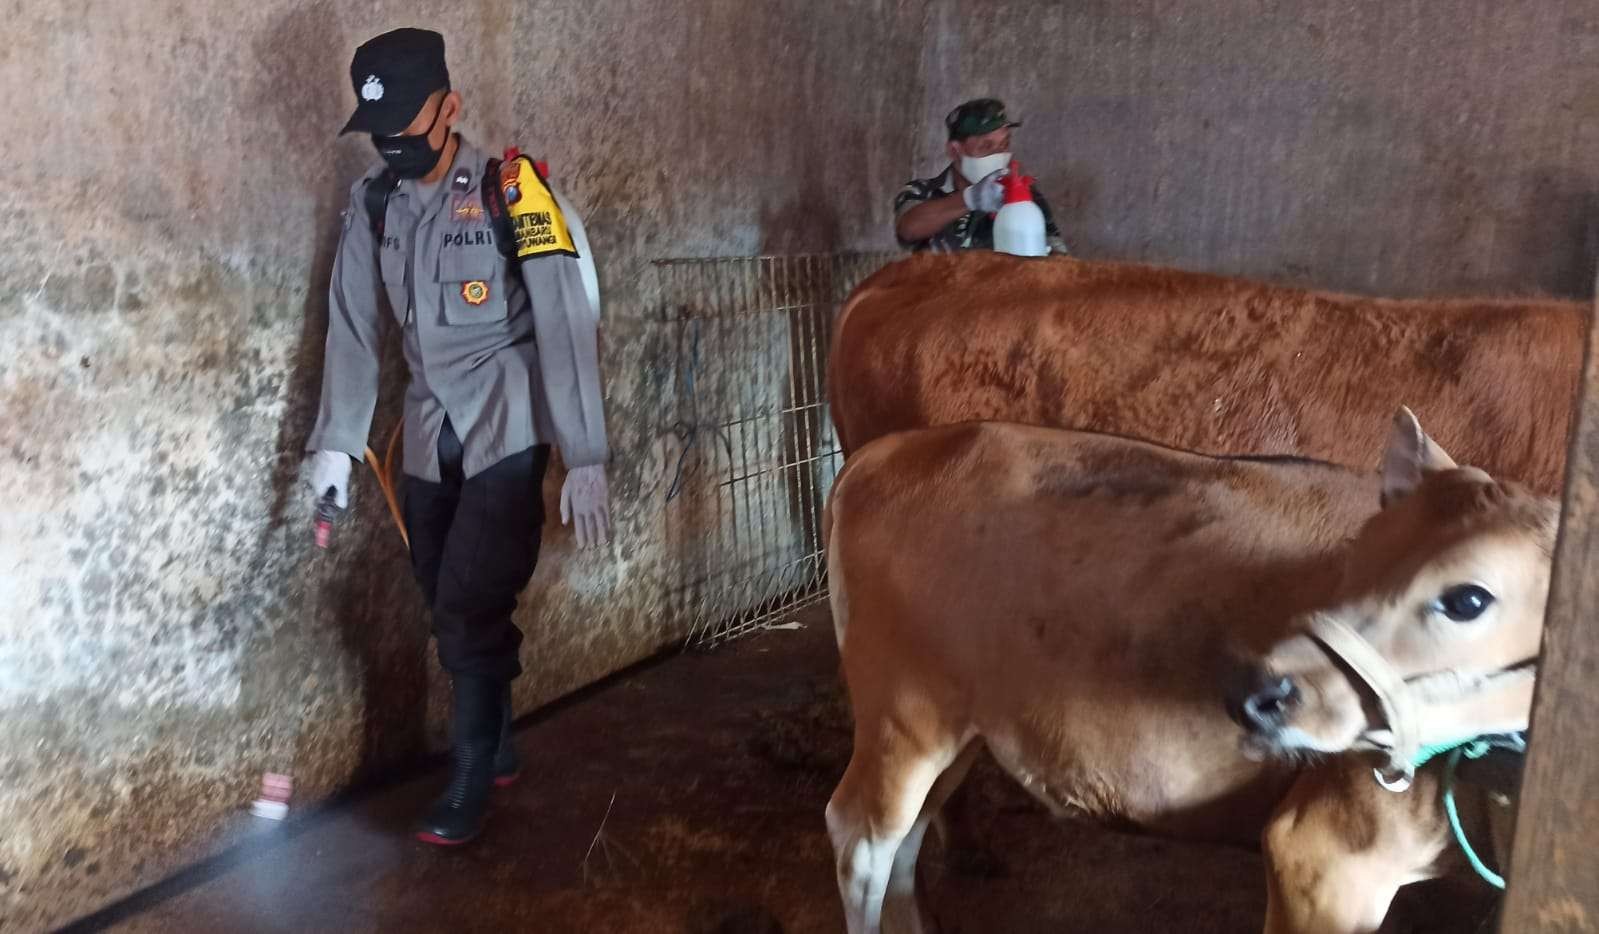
<point x="1394" y="148"/>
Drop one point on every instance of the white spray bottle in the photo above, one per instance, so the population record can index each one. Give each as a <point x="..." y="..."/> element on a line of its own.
<point x="1019" y="225"/>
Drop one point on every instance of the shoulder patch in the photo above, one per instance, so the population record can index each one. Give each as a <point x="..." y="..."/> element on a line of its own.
<point x="536" y="220"/>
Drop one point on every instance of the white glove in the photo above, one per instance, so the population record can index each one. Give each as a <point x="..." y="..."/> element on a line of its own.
<point x="330" y="469"/>
<point x="586" y="504"/>
<point x="987" y="195"/>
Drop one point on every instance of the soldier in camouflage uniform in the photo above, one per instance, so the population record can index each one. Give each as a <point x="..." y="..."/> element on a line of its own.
<point x="954" y="210"/>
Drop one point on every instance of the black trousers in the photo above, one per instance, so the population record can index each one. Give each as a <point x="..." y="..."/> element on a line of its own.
<point x="474" y="544"/>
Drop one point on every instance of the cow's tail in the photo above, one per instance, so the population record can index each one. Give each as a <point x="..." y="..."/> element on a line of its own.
<point x="835" y="358"/>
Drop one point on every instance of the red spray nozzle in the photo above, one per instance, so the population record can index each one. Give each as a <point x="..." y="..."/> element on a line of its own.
<point x="511" y="152"/>
<point x="327" y="510"/>
<point x="1018" y="187"/>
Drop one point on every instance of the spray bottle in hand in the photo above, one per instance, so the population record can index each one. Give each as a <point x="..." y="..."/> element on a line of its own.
<point x="1019" y="225"/>
<point x="327" y="510"/>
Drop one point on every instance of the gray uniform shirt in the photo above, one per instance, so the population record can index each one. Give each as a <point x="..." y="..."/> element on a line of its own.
<point x="511" y="358"/>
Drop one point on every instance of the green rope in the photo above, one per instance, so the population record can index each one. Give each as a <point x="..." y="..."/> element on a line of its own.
<point x="1428" y="753"/>
<point x="1474" y="748"/>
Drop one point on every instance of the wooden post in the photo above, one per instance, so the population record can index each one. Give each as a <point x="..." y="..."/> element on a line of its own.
<point x="1554" y="868"/>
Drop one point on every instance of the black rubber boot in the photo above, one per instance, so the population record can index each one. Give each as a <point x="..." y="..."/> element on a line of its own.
<point x="507" y="764"/>
<point x="457" y="815"/>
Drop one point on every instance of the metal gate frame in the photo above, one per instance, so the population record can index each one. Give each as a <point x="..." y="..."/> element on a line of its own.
<point x="756" y="447"/>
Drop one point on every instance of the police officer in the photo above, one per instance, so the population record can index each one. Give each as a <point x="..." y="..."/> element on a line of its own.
<point x="954" y="209"/>
<point x="502" y="358"/>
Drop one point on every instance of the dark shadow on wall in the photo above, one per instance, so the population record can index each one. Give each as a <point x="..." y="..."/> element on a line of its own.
<point x="1073" y="195"/>
<point x="1561" y="223"/>
<point x="301" y="70"/>
<point x="299" y="73"/>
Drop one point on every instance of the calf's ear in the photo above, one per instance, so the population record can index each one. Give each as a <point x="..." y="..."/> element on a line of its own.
<point x="1410" y="456"/>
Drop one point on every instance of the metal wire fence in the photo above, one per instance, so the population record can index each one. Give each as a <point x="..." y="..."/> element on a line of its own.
<point x="755" y="451"/>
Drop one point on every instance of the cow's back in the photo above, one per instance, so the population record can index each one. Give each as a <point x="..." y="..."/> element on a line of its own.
<point x="987" y="502"/>
<point x="1201" y="362"/>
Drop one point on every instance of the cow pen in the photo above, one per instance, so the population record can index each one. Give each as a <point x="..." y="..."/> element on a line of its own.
<point x="586" y="279"/>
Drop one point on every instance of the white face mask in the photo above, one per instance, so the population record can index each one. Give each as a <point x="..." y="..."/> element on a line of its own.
<point x="977" y="168"/>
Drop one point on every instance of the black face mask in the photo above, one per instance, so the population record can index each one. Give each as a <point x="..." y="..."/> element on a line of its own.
<point x="411" y="156"/>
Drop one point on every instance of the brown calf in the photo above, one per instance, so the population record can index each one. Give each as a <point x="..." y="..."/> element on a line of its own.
<point x="1073" y="602"/>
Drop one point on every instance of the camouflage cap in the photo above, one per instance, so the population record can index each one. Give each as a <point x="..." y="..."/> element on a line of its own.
<point x="976" y="117"/>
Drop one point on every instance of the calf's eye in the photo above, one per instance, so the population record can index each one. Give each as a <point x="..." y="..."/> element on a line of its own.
<point x="1464" y="603"/>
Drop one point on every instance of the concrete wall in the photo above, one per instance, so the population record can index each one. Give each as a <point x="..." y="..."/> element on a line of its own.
<point x="1397" y="147"/>
<point x="171" y="184"/>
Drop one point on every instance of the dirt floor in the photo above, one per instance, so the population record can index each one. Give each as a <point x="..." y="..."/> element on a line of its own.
<point x="686" y="796"/>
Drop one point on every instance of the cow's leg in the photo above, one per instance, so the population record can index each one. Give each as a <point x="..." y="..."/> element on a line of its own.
<point x="875" y="807"/>
<point x="1340" y="847"/>
<point x="902" y="908"/>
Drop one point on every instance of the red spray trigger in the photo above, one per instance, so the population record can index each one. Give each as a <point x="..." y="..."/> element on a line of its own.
<point x="511" y="152"/>
<point x="1018" y="187"/>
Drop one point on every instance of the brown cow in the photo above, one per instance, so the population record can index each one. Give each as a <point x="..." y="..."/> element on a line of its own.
<point x="1201" y="363"/>
<point x="1072" y="602"/>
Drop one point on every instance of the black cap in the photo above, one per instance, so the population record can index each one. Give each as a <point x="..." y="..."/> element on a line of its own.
<point x="976" y="117"/>
<point x="393" y="76"/>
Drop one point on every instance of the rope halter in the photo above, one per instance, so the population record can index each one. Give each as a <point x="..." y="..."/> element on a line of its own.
<point x="1405" y="701"/>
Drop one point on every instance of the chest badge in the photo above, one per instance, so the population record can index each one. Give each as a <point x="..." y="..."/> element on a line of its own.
<point x="467" y="211"/>
<point x="475" y="292"/>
